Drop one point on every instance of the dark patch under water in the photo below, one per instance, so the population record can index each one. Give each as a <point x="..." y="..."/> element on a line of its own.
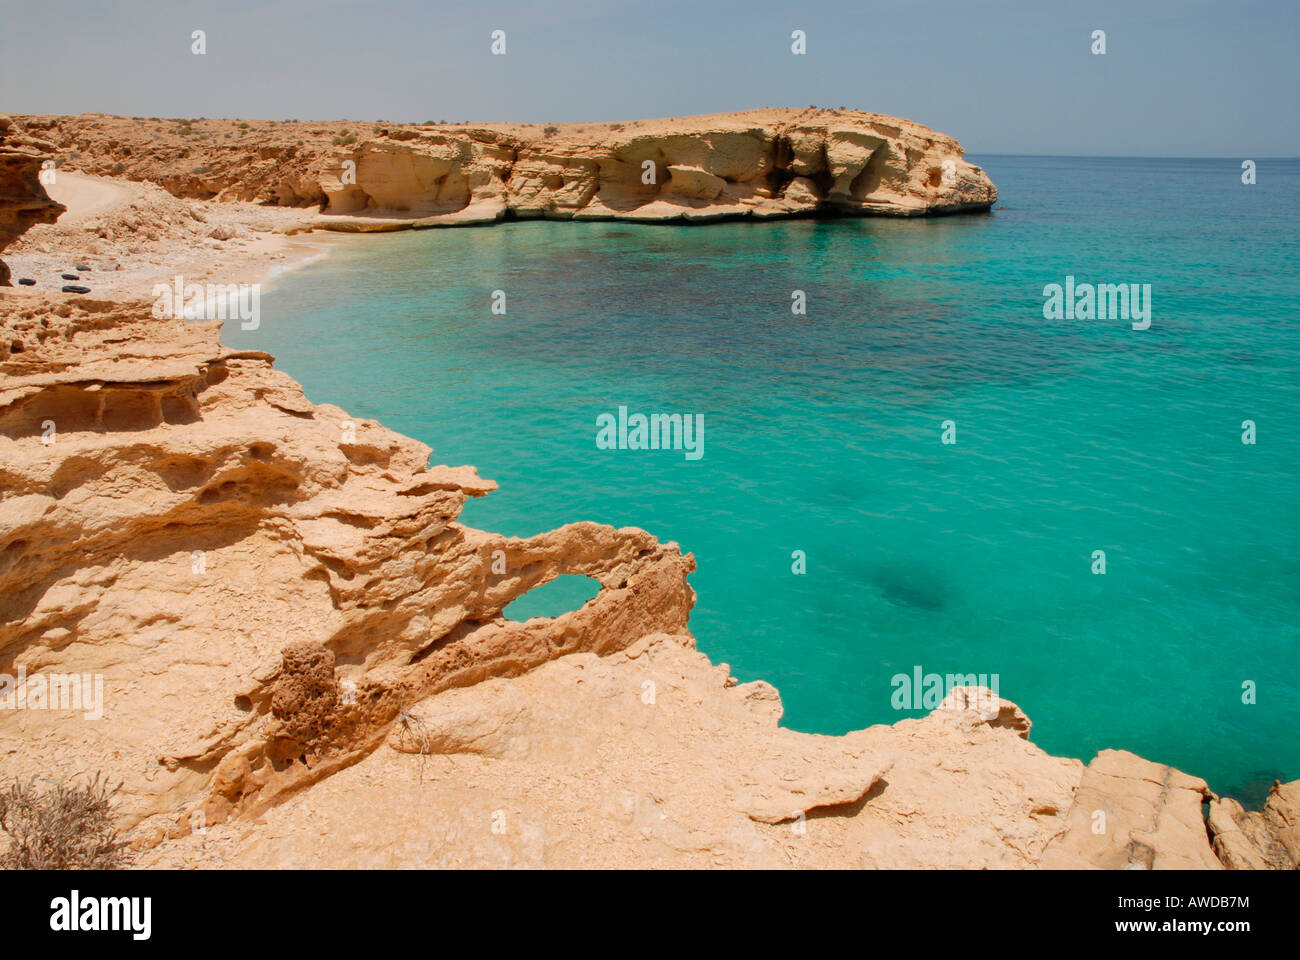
<point x="912" y="588"/>
<point x="823" y="437"/>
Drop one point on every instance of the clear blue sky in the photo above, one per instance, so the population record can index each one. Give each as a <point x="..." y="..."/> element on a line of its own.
<point x="1180" y="77"/>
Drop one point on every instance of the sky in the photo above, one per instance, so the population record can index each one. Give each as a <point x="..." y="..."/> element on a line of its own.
<point x="1218" y="78"/>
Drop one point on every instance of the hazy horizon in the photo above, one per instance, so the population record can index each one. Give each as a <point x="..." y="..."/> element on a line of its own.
<point x="1013" y="78"/>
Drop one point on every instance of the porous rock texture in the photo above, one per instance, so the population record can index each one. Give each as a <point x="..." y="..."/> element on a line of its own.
<point x="306" y="662"/>
<point x="189" y="515"/>
<point x="758" y="163"/>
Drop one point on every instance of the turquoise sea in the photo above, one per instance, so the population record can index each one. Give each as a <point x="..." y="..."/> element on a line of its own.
<point x="823" y="435"/>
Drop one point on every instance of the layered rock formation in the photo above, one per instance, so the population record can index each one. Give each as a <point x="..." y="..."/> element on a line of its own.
<point x="654" y="757"/>
<point x="275" y="594"/>
<point x="305" y="658"/>
<point x="761" y="163"/>
<point x="176" y="513"/>
<point x="23" y="200"/>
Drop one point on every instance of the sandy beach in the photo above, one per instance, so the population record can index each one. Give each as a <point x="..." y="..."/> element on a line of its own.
<point x="134" y="235"/>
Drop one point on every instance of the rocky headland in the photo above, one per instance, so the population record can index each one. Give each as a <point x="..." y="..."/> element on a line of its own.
<point x="759" y="164"/>
<point x="303" y="652"/>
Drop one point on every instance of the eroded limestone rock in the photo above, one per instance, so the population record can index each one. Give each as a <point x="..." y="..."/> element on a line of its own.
<point x="759" y="163"/>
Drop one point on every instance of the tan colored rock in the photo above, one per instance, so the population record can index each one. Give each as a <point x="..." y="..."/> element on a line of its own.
<point x="195" y="509"/>
<point x="1258" y="840"/>
<point x="800" y="195"/>
<point x="1131" y="814"/>
<point x="652" y="757"/>
<point x="779" y="776"/>
<point x="705" y="168"/>
<point x="694" y="183"/>
<point x="23" y="199"/>
<point x="303" y="650"/>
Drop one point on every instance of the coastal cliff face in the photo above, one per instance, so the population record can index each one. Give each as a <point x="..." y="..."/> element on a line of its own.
<point x="176" y="515"/>
<point x="761" y="163"/>
<point x="23" y="200"/>
<point x="305" y="660"/>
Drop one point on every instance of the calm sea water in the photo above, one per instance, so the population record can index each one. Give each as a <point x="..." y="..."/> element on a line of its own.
<point x="822" y="435"/>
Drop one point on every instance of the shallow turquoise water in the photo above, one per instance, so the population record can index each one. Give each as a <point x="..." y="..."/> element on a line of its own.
<point x="822" y="434"/>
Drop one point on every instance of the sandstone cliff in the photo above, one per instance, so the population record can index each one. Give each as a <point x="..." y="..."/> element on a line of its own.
<point x="305" y="657"/>
<point x="760" y="163"/>
<point x="176" y="513"/>
<point x="23" y="200"/>
<point x="279" y="597"/>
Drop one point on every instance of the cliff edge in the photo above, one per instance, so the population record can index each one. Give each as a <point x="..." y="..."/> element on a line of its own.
<point x="23" y="200"/>
<point x="755" y="164"/>
<point x="290" y="651"/>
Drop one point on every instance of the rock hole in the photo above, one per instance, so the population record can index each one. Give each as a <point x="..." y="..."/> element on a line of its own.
<point x="569" y="591"/>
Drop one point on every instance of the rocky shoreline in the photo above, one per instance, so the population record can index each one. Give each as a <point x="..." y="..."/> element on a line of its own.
<point x="303" y="652"/>
<point x="758" y="164"/>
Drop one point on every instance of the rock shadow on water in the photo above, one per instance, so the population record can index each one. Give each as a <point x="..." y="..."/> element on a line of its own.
<point x="1252" y="791"/>
<point x="913" y="586"/>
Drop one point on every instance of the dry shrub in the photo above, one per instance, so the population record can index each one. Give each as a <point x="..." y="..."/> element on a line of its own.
<point x="65" y="827"/>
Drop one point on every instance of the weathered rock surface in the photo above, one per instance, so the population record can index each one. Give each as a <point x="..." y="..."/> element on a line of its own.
<point x="192" y="514"/>
<point x="759" y="163"/>
<point x="304" y="654"/>
<point x="1259" y="840"/>
<point x="1131" y="814"/>
<point x="23" y="200"/>
<point x="279" y="597"/>
<point x="653" y="756"/>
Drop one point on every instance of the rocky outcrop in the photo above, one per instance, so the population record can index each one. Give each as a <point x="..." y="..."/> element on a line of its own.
<point x="759" y="164"/>
<point x="1132" y="814"/>
<point x="23" y="200"/>
<point x="654" y="757"/>
<point x="1267" y="839"/>
<point x="1129" y="813"/>
<point x="176" y="514"/>
<point x="276" y="596"/>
